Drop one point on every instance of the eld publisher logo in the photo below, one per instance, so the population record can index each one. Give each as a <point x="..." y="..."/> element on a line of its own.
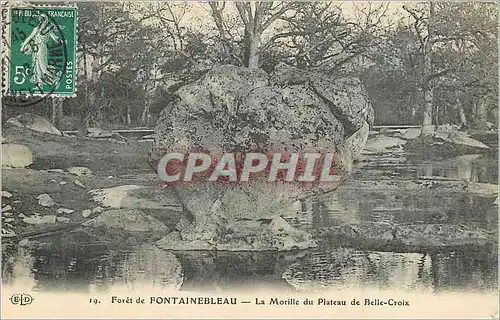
<point x="22" y="299"/>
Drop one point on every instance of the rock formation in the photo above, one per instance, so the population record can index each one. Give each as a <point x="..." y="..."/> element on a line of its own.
<point x="34" y="122"/>
<point x="232" y="109"/>
<point x="16" y="156"/>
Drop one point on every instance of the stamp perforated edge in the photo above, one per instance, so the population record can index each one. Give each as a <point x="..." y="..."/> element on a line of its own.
<point x="5" y="16"/>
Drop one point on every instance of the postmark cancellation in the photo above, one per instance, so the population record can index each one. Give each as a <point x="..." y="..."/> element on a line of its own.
<point x="39" y="51"/>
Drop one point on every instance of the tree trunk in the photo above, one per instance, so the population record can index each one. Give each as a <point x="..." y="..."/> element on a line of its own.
<point x="82" y="130"/>
<point x="57" y="111"/>
<point x="481" y="115"/>
<point x="129" y="119"/>
<point x="436" y="115"/>
<point x="148" y="100"/>
<point x="426" y="81"/>
<point x="145" y="113"/>
<point x="217" y="15"/>
<point x="253" y="51"/>
<point x="427" y="128"/>
<point x="462" y="116"/>
<point x="94" y="92"/>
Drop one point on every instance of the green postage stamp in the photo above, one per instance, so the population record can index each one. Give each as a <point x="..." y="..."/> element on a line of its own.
<point x="41" y="51"/>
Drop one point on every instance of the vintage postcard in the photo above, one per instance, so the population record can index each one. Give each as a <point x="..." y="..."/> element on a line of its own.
<point x="249" y="159"/>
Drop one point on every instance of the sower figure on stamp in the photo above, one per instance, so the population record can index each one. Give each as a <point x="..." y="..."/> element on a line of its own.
<point x="36" y="45"/>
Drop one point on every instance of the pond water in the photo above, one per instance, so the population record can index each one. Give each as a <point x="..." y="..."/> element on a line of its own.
<point x="58" y="264"/>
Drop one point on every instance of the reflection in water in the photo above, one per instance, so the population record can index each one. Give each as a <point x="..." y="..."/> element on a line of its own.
<point x="473" y="167"/>
<point x="53" y="269"/>
<point x="77" y="262"/>
<point x="223" y="271"/>
<point x="20" y="267"/>
<point x="314" y="270"/>
<point x="350" y="205"/>
<point x="343" y="268"/>
<point x="145" y="267"/>
<point x="87" y="267"/>
<point x="470" y="167"/>
<point x="468" y="270"/>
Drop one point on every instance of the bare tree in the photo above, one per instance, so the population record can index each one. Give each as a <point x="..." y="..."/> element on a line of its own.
<point x="443" y="48"/>
<point x="168" y="18"/>
<point x="423" y="18"/>
<point x="256" y="17"/>
<point x="320" y="35"/>
<point x="314" y="34"/>
<point x="103" y="27"/>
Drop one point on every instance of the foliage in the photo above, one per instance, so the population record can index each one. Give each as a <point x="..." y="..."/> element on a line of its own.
<point x="133" y="56"/>
<point x="458" y="41"/>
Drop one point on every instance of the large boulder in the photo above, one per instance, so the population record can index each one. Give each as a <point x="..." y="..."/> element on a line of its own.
<point x="154" y="202"/>
<point x="34" y="122"/>
<point x="129" y="220"/>
<point x="16" y="156"/>
<point x="126" y="227"/>
<point x="382" y="143"/>
<point x="232" y="109"/>
<point x="135" y="197"/>
<point x="451" y="134"/>
<point x="442" y="141"/>
<point x="98" y="133"/>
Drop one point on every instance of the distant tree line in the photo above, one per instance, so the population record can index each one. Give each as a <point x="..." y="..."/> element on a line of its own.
<point x="422" y="63"/>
